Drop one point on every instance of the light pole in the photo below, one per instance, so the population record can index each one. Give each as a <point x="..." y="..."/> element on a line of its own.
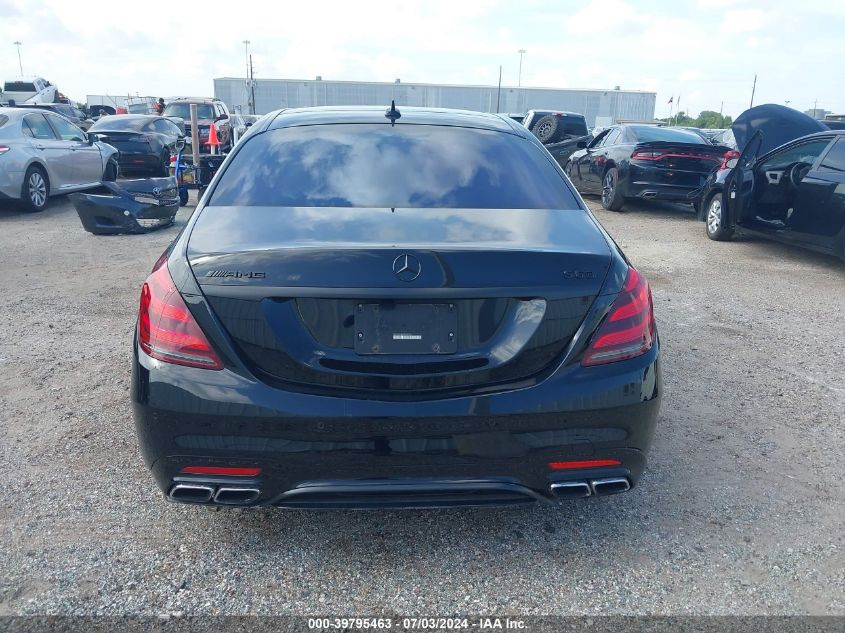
<point x="521" y="52"/>
<point x="247" y="86"/>
<point x="20" y="64"/>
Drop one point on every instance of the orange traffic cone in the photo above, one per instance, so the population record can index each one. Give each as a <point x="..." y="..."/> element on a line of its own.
<point x="213" y="141"/>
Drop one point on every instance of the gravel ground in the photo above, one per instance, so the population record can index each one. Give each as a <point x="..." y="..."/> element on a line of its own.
<point x="741" y="510"/>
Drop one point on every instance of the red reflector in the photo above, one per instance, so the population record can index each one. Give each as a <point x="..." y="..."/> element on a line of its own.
<point x="628" y="329"/>
<point x="167" y="329"/>
<point x="587" y="463"/>
<point x="220" y="470"/>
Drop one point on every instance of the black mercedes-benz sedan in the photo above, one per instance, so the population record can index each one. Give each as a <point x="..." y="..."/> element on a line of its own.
<point x="408" y="308"/>
<point x="643" y="161"/>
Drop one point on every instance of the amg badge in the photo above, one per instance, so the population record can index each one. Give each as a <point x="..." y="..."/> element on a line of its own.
<point x="237" y="274"/>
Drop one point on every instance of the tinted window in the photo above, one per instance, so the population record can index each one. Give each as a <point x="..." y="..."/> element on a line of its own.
<point x="805" y="153"/>
<point x="650" y="133"/>
<point x="613" y="137"/>
<point x="38" y="127"/>
<point x="165" y="127"/>
<point x="183" y="110"/>
<point x="835" y="159"/>
<point x="384" y="166"/>
<point x="19" y="86"/>
<point x="118" y="123"/>
<point x="573" y="125"/>
<point x="66" y="130"/>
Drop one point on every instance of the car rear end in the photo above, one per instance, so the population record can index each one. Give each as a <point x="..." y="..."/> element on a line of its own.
<point x="139" y="151"/>
<point x="671" y="171"/>
<point x="377" y="323"/>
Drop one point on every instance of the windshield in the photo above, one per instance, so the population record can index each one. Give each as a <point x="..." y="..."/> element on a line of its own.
<point x="651" y="133"/>
<point x="383" y="166"/>
<point x="183" y="110"/>
<point x="118" y="122"/>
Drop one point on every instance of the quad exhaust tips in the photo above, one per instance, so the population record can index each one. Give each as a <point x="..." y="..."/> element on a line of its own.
<point x="191" y="493"/>
<point x="202" y="493"/>
<point x="597" y="487"/>
<point x="610" y="486"/>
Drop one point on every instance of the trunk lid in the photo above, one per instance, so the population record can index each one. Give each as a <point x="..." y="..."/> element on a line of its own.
<point x="402" y="300"/>
<point x="692" y="157"/>
<point x="777" y="125"/>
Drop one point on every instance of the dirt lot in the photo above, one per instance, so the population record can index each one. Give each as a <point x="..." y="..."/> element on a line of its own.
<point x="741" y="511"/>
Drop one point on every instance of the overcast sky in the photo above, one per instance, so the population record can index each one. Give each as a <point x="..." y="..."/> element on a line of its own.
<point x="706" y="51"/>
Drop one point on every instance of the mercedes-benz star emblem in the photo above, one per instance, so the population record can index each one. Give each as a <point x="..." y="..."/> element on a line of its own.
<point x="406" y="267"/>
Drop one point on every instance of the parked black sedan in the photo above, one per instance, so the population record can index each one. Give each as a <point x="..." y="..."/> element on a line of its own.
<point x="643" y="161"/>
<point x="145" y="141"/>
<point x="355" y="318"/>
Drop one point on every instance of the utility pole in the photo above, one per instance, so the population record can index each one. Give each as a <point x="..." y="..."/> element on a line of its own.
<point x="251" y="87"/>
<point x="815" y="105"/>
<point x="721" y="116"/>
<point x="753" y="88"/>
<point x="499" y="91"/>
<point x="246" y="44"/>
<point x="521" y="52"/>
<point x="20" y="64"/>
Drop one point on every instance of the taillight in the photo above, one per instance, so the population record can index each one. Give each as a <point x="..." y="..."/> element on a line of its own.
<point x="4" y="149"/>
<point x="647" y="154"/>
<point x="166" y="328"/>
<point x="730" y="155"/>
<point x="584" y="463"/>
<point x="628" y="329"/>
<point x="226" y="471"/>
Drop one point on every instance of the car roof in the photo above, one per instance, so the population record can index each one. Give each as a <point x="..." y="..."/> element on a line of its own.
<point x="192" y="99"/>
<point x="327" y="115"/>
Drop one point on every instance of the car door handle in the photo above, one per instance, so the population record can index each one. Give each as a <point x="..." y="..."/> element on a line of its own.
<point x="40" y="147"/>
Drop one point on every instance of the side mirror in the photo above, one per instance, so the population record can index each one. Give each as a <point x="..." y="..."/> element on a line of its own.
<point x="222" y="117"/>
<point x="180" y="144"/>
<point x="248" y="124"/>
<point x="581" y="144"/>
<point x="90" y="138"/>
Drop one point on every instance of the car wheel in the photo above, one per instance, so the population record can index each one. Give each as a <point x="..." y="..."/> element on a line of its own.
<point x="611" y="199"/>
<point x="110" y="174"/>
<point x="714" y="220"/>
<point x="546" y="129"/>
<point x="35" y="189"/>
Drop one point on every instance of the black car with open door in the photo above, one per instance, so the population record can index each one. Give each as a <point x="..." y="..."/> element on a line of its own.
<point x="794" y="194"/>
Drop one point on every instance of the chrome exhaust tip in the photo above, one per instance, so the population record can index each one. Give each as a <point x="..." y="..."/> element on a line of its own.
<point x="648" y="195"/>
<point x="236" y="496"/>
<point x="571" y="489"/>
<point x="191" y="493"/>
<point x="610" y="486"/>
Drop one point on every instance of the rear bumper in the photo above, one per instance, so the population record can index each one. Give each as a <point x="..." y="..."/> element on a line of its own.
<point x="334" y="452"/>
<point x="662" y="184"/>
<point x="11" y="183"/>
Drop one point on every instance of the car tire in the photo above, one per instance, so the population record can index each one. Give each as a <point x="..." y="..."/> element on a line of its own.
<point x="546" y="129"/>
<point x="35" y="190"/>
<point x="611" y="198"/>
<point x="714" y="221"/>
<point x="110" y="173"/>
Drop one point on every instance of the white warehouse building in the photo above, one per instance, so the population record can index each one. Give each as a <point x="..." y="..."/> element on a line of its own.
<point x="600" y="107"/>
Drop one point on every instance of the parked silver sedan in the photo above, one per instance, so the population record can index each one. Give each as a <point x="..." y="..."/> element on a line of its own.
<point x="43" y="154"/>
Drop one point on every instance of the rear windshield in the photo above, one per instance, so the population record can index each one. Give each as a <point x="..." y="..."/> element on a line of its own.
<point x="384" y="166"/>
<point x="649" y="133"/>
<point x="183" y="110"/>
<point x="118" y="123"/>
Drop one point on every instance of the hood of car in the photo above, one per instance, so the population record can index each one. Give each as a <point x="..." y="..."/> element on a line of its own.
<point x="778" y="125"/>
